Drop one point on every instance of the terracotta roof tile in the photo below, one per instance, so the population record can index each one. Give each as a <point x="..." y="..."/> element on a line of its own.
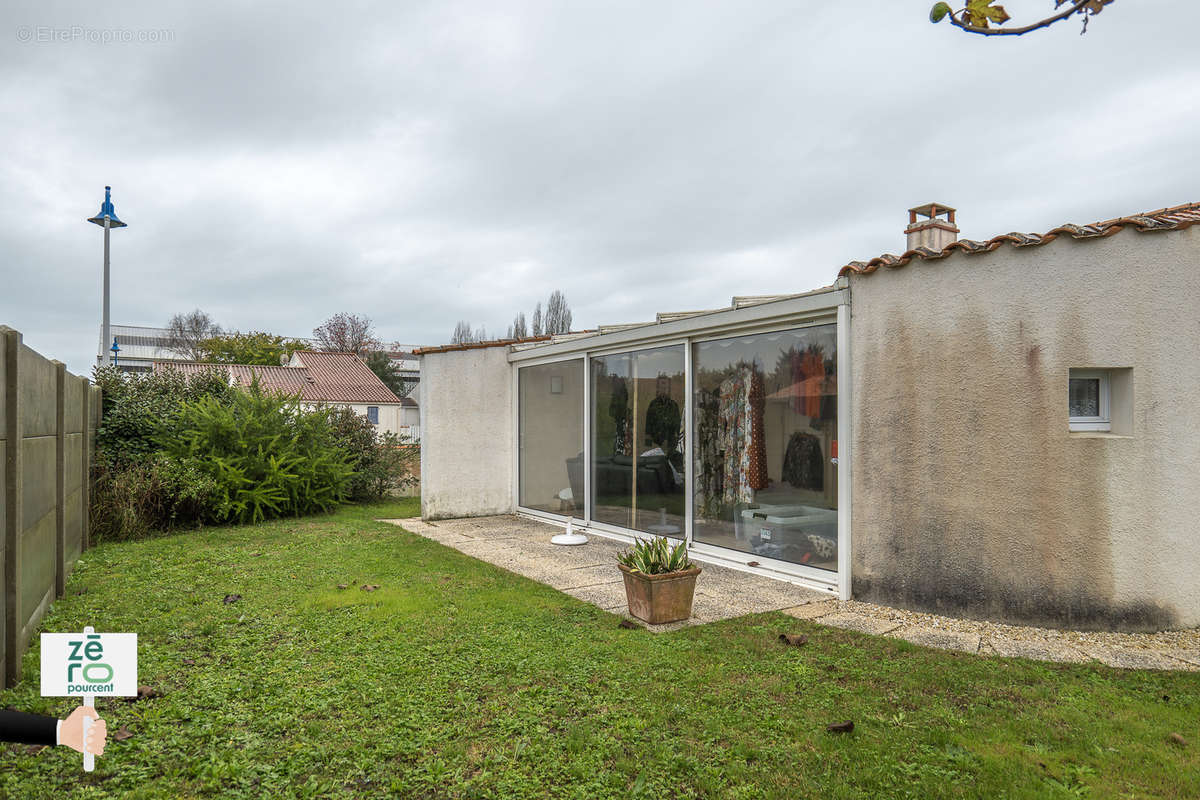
<point x="322" y="377"/>
<point x="1164" y="219"/>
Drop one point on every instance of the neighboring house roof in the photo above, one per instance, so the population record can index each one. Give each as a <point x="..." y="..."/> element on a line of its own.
<point x="344" y="377"/>
<point x="317" y="377"/>
<point x="1164" y="219"/>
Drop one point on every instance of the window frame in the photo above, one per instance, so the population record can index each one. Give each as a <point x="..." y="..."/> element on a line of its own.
<point x="821" y="307"/>
<point x="1102" y="422"/>
<point x="376" y="410"/>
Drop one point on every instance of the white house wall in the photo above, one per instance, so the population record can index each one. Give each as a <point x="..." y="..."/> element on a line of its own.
<point x="467" y="445"/>
<point x="970" y="495"/>
<point x="390" y="418"/>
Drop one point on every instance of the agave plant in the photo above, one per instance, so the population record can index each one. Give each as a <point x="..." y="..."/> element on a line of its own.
<point x="655" y="556"/>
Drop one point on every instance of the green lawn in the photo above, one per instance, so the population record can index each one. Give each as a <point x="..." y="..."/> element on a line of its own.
<point x="458" y="679"/>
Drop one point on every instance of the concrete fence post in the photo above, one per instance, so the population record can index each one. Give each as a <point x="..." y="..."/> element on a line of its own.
<point x="60" y="478"/>
<point x="85" y="487"/>
<point x="13" y="512"/>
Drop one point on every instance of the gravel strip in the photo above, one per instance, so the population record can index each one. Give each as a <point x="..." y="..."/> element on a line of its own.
<point x="1159" y="644"/>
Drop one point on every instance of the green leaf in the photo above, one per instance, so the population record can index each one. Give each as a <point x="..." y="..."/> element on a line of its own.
<point x="939" y="12"/>
<point x="978" y="13"/>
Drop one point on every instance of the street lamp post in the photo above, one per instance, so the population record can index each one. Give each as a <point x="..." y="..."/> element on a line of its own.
<point x="107" y="219"/>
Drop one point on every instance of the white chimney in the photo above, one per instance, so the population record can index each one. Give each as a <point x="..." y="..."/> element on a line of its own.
<point x="927" y="228"/>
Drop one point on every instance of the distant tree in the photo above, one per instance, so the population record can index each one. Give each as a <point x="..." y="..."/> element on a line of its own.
<point x="347" y="333"/>
<point x="537" y="319"/>
<point x="462" y="333"/>
<point x="518" y="329"/>
<point x="381" y="364"/>
<point x="977" y="15"/>
<point x="254" y="347"/>
<point x="185" y="332"/>
<point x="558" y="315"/>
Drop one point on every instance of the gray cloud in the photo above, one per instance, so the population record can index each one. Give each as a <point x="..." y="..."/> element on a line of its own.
<point x="426" y="162"/>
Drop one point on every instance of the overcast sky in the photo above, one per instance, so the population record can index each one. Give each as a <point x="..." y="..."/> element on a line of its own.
<point x="422" y="163"/>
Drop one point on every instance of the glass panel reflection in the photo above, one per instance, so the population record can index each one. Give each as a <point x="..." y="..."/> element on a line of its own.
<point x="765" y="427"/>
<point x="551" y="437"/>
<point x="638" y="440"/>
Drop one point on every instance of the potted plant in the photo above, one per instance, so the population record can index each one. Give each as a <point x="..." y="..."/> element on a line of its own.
<point x="660" y="581"/>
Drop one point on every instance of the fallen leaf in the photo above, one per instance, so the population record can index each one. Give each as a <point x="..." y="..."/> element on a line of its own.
<point x="1178" y="739"/>
<point x="189" y="661"/>
<point x="627" y="624"/>
<point x="840" y="727"/>
<point x="370" y="587"/>
<point x="751" y="563"/>
<point x="34" y="749"/>
<point x="343" y="586"/>
<point x="231" y="598"/>
<point x="256" y="554"/>
<point x="794" y="639"/>
<point x="122" y="734"/>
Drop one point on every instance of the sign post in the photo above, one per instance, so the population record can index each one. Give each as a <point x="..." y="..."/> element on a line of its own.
<point x="89" y="665"/>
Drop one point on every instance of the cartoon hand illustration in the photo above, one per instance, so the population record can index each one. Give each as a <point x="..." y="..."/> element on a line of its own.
<point x="71" y="733"/>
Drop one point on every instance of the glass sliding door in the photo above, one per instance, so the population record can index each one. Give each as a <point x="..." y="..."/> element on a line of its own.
<point x="638" y="452"/>
<point x="550" y="437"/>
<point x="765" y="425"/>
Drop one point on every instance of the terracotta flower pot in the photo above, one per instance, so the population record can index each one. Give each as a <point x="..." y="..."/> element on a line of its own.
<point x="657" y="599"/>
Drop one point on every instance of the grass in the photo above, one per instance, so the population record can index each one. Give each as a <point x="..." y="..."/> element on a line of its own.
<point x="458" y="679"/>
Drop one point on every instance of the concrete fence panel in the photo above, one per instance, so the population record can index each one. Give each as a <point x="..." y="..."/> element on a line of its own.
<point x="47" y="433"/>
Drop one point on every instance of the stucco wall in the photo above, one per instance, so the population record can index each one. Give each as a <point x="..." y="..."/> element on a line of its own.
<point x="969" y="494"/>
<point x="466" y="433"/>
<point x="389" y="414"/>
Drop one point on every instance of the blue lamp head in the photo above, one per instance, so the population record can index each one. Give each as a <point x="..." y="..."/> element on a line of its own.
<point x="114" y="348"/>
<point x="107" y="212"/>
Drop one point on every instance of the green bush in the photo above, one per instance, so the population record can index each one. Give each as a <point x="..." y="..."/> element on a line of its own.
<point x="133" y="500"/>
<point x="383" y="462"/>
<point x="139" y="409"/>
<point x="268" y="456"/>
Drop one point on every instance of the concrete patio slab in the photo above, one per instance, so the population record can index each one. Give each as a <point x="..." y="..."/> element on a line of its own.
<point x="604" y="595"/>
<point x="1187" y="656"/>
<point x="1037" y="650"/>
<point x="1126" y="658"/>
<point x="813" y="610"/>
<point x="589" y="576"/>
<point x="943" y="640"/>
<point x="857" y="622"/>
<point x="589" y="572"/>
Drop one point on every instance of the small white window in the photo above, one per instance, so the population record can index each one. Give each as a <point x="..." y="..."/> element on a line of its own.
<point x="373" y="415"/>
<point x="1088" y="393"/>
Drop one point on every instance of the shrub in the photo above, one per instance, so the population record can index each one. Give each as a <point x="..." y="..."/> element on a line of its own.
<point x="267" y="455"/>
<point x="133" y="500"/>
<point x="383" y="462"/>
<point x="139" y="409"/>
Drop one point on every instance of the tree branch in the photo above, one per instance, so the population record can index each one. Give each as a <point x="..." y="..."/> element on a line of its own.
<point x="1076" y="6"/>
